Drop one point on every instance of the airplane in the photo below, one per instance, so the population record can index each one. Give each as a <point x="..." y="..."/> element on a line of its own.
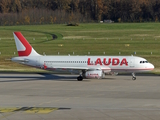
<point x="86" y="66"/>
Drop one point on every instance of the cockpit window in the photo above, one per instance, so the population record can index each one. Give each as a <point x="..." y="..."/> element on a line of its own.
<point x="143" y="62"/>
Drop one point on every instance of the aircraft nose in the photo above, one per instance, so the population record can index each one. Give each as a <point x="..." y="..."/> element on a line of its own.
<point x="151" y="66"/>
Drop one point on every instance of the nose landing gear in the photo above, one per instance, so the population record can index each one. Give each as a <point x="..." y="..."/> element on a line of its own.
<point x="133" y="76"/>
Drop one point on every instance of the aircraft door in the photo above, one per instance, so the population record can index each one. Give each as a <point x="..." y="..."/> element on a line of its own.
<point x="132" y="63"/>
<point x="38" y="62"/>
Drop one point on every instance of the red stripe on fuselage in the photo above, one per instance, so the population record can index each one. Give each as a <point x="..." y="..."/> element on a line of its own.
<point x="28" y="47"/>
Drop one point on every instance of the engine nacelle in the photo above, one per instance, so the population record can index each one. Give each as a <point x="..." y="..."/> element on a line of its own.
<point x="94" y="74"/>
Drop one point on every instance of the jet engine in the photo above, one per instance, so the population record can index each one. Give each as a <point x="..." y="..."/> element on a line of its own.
<point x="94" y="74"/>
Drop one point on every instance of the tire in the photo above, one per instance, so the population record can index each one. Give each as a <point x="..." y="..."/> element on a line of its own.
<point x="133" y="78"/>
<point x="80" y="78"/>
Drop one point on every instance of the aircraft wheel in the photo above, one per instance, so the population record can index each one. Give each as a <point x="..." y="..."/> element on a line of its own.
<point x="80" y="78"/>
<point x="133" y="78"/>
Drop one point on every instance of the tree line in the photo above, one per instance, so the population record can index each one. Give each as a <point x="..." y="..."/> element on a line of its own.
<point x="13" y="12"/>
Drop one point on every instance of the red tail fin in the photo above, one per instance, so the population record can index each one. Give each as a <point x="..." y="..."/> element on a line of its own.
<point x="23" y="46"/>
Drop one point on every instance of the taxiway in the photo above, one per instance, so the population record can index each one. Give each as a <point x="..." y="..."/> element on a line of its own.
<point x="62" y="97"/>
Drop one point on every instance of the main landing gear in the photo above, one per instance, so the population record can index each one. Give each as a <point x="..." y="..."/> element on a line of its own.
<point x="133" y="76"/>
<point x="80" y="78"/>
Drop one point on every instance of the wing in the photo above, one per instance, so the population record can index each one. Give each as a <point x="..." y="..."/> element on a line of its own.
<point x="89" y="68"/>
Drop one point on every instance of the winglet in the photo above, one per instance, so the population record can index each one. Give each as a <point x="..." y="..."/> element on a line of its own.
<point x="23" y="46"/>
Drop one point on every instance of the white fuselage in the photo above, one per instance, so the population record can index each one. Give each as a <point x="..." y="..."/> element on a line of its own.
<point x="104" y="63"/>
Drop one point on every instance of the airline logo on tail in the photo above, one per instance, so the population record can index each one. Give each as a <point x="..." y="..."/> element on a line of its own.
<point x="23" y="46"/>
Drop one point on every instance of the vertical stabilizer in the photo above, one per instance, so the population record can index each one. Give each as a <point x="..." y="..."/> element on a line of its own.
<point x="23" y="46"/>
